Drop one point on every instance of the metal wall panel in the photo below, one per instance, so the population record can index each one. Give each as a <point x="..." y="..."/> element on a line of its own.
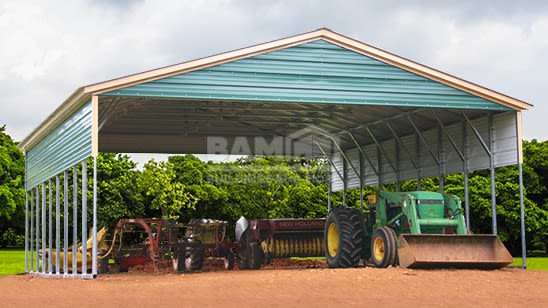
<point x="505" y="136"/>
<point x="315" y="72"/>
<point x="504" y="149"/>
<point x="335" y="178"/>
<point x="66" y="145"/>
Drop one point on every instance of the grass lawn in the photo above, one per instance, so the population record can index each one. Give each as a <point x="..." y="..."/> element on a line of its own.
<point x="534" y="263"/>
<point x="12" y="261"/>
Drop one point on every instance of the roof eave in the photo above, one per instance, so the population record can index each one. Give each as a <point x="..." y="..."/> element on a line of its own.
<point x="71" y="104"/>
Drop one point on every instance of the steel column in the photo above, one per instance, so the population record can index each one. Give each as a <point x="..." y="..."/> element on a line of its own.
<point x="465" y="167"/>
<point x="65" y="222"/>
<point x="345" y="182"/>
<point x="362" y="179"/>
<point x="31" y="230"/>
<point x="519" y="140"/>
<point x="74" y="217"/>
<point x="44" y="243"/>
<point x="26" y="232"/>
<point x="379" y="167"/>
<point x="441" y="154"/>
<point x="329" y="191"/>
<point x="398" y="173"/>
<point x="94" y="241"/>
<point x="37" y="228"/>
<point x="57" y="225"/>
<point x="419" y="163"/>
<point x="50" y="226"/>
<point x="492" y="170"/>
<point x="84" y="217"/>
<point x="488" y="150"/>
<point x="522" y="218"/>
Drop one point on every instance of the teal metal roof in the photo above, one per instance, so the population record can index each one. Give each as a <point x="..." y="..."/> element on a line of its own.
<point x="314" y="72"/>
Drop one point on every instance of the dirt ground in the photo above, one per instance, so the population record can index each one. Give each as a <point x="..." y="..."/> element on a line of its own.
<point x="285" y="286"/>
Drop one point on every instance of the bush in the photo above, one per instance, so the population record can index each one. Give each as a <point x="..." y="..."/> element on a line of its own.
<point x="10" y="238"/>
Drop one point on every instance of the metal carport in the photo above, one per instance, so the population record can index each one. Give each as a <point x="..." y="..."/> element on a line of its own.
<point x="380" y="118"/>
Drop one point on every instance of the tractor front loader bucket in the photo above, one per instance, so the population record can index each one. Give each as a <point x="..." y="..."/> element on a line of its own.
<point x="452" y="251"/>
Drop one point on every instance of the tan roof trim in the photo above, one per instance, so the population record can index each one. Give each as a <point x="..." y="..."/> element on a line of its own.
<point x="83" y="94"/>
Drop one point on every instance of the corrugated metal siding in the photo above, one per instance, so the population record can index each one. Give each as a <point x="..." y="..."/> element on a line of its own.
<point x="66" y="145"/>
<point x="504" y="149"/>
<point x="315" y="72"/>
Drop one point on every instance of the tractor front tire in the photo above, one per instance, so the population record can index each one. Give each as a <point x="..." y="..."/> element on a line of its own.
<point x="343" y="236"/>
<point x="384" y="247"/>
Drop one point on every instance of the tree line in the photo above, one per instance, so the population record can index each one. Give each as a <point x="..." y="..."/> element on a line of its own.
<point x="185" y="187"/>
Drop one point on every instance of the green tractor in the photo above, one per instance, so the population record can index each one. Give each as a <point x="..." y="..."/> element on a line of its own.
<point x="411" y="229"/>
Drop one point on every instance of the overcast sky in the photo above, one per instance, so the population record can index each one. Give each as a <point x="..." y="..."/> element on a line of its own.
<point x="51" y="48"/>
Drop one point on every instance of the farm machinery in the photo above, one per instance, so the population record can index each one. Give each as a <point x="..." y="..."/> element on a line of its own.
<point x="413" y="229"/>
<point x="146" y="240"/>
<point x="262" y="240"/>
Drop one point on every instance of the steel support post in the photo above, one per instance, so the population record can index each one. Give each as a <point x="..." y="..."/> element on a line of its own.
<point x="441" y="154"/>
<point x="522" y="218"/>
<point x="65" y="222"/>
<point x="57" y="225"/>
<point x="37" y="228"/>
<point x="74" y="217"/>
<point x="519" y="140"/>
<point x="94" y="241"/>
<point x="44" y="243"/>
<point x="492" y="171"/>
<point x="345" y="182"/>
<point x="398" y="173"/>
<point x="362" y="179"/>
<point x="488" y="150"/>
<point x="26" y="232"/>
<point x="84" y="217"/>
<point x="50" y="226"/>
<point x="465" y="170"/>
<point x="329" y="191"/>
<point x="379" y="167"/>
<point x="419" y="163"/>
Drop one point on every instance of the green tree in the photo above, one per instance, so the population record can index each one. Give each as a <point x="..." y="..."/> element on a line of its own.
<point x="12" y="192"/>
<point x="117" y="195"/>
<point x="193" y="173"/>
<point x="162" y="191"/>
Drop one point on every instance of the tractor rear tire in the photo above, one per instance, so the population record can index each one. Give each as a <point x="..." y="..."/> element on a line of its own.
<point x="383" y="247"/>
<point x="343" y="237"/>
<point x="195" y="261"/>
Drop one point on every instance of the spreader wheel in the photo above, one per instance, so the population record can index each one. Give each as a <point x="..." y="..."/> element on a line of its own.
<point x="255" y="256"/>
<point x="229" y="261"/>
<point x="195" y="261"/>
<point x="179" y="262"/>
